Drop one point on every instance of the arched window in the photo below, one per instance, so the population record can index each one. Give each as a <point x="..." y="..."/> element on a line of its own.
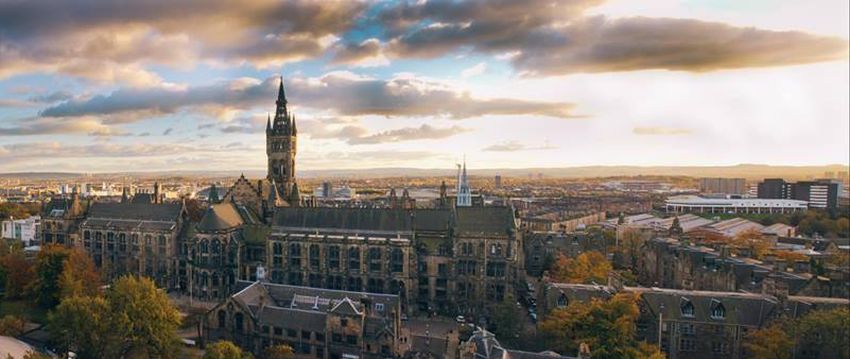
<point x="397" y="260"/>
<point x="354" y="258"/>
<point x="375" y="259"/>
<point x="205" y="247"/>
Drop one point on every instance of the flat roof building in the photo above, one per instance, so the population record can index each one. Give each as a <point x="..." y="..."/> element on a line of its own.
<point x="698" y="204"/>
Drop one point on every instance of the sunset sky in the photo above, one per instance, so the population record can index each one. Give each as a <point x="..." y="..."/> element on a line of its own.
<point x="187" y="85"/>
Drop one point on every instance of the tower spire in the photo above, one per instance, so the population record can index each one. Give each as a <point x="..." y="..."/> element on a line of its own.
<point x="281" y="94"/>
<point x="268" y="121"/>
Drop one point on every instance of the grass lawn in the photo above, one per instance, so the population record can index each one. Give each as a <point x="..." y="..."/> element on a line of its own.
<point x="23" y="308"/>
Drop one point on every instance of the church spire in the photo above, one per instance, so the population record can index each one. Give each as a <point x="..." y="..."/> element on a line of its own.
<point x="281" y="94"/>
<point x="268" y="121"/>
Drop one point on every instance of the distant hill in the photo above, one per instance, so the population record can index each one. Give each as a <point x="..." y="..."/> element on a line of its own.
<point x="748" y="171"/>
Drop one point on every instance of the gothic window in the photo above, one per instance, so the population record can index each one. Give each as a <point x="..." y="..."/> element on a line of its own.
<point x="222" y="319"/>
<point x="98" y="241"/>
<point x="354" y="259"/>
<point x="495" y="269"/>
<point x="295" y="255"/>
<point x="315" y="260"/>
<point x="216" y="252"/>
<point x="239" y="321"/>
<point x="397" y="260"/>
<point x="110" y="241"/>
<point x="687" y="309"/>
<point x="86" y="239"/>
<point x="375" y="259"/>
<point x="122" y="242"/>
<point x="333" y="257"/>
<point x="562" y="300"/>
<point x="162" y="248"/>
<point x="718" y="311"/>
<point x="277" y="254"/>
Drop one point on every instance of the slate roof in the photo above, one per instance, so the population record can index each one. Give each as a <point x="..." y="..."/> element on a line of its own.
<point x="137" y="211"/>
<point x="485" y="220"/>
<point x="219" y="217"/>
<point x="747" y="309"/>
<point x="134" y="216"/>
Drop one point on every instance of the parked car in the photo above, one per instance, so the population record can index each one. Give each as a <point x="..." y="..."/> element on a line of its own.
<point x="460" y="319"/>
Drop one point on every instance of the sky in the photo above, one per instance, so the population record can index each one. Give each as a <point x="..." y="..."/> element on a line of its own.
<point x="114" y="86"/>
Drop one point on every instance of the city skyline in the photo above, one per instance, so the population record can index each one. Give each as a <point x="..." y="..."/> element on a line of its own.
<point x="119" y="87"/>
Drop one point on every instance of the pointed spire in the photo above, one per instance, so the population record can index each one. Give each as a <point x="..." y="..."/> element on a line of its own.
<point x="281" y="94"/>
<point x="294" y="131"/>
<point x="268" y="121"/>
<point x="295" y="196"/>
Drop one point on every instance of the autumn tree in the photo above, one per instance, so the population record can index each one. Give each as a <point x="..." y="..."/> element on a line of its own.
<point x="822" y="333"/>
<point x="771" y="342"/>
<point x="587" y="267"/>
<point x="144" y="316"/>
<point x="225" y="350"/>
<point x="133" y="319"/>
<point x="79" y="276"/>
<point x="607" y="326"/>
<point x="19" y="273"/>
<point x="630" y="243"/>
<point x="752" y="241"/>
<point x="12" y="325"/>
<point x="280" y="351"/>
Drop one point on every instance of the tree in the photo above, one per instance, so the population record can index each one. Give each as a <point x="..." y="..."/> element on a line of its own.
<point x="280" y="351"/>
<point x="631" y="242"/>
<point x="49" y="264"/>
<point x="752" y="241"/>
<point x="825" y="330"/>
<point x="771" y="342"/>
<point x="12" y="325"/>
<point x="85" y="325"/>
<point x="144" y="317"/>
<point x="79" y="276"/>
<point x="225" y="350"/>
<point x="505" y="320"/>
<point x="607" y="326"/>
<point x="588" y="267"/>
<point x="19" y="273"/>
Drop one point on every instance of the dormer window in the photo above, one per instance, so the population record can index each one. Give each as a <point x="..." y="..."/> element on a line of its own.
<point x="562" y="300"/>
<point x="718" y="311"/>
<point x="687" y="308"/>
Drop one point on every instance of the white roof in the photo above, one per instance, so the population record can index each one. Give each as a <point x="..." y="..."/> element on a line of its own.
<point x="697" y="201"/>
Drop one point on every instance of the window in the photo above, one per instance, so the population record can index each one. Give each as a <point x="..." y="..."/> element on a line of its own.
<point x="720" y="347"/>
<point x="687" y="345"/>
<point x="294" y="255"/>
<point x="495" y="269"/>
<point x="354" y="259"/>
<point x="351" y="339"/>
<point x="379" y="307"/>
<point x="314" y="257"/>
<point x="222" y="319"/>
<point x="292" y="333"/>
<point x="687" y="329"/>
<point x="305" y="334"/>
<point x="110" y="241"/>
<point x="122" y="242"/>
<point x="333" y="257"/>
<point x="397" y="260"/>
<point x="278" y="331"/>
<point x="718" y="311"/>
<point x="320" y="337"/>
<point x="336" y="337"/>
<point x="343" y="322"/>
<point x="375" y="259"/>
<point x="687" y="309"/>
<point x="562" y="300"/>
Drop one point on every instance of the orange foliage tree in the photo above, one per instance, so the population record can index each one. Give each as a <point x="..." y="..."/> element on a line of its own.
<point x="587" y="267"/>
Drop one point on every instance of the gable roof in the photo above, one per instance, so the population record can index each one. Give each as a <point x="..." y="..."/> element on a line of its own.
<point x="485" y="220"/>
<point x="220" y="217"/>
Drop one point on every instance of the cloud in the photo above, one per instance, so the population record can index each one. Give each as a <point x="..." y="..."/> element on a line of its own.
<point x="514" y="146"/>
<point x="344" y="93"/>
<point x="53" y="125"/>
<point x="422" y="132"/>
<point x="110" y="40"/>
<point x="349" y="94"/>
<point x="476" y="70"/>
<point x="658" y="130"/>
<point x="555" y="38"/>
<point x="109" y="150"/>
<point x="366" y="53"/>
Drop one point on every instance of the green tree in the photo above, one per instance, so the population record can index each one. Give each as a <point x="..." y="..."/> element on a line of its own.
<point x="587" y="267"/>
<point x="506" y="320"/>
<point x="823" y="330"/>
<point x="280" y="351"/>
<point x="771" y="342"/>
<point x="225" y="350"/>
<point x="607" y="326"/>
<point x="144" y="317"/>
<point x="49" y="265"/>
<point x="85" y="326"/>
